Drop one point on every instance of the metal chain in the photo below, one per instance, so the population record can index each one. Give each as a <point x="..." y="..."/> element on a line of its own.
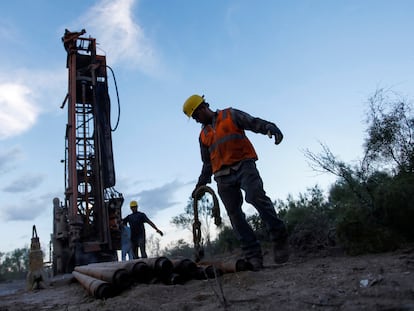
<point x="198" y="194"/>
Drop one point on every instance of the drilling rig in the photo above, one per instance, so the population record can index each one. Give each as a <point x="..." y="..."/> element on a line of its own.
<point x="86" y="225"/>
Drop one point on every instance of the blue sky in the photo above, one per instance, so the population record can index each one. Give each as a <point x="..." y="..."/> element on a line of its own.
<point x="309" y="66"/>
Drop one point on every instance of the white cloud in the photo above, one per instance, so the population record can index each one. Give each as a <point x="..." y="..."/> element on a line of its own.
<point x="48" y="87"/>
<point x="25" y="94"/>
<point x="119" y="36"/>
<point x="17" y="110"/>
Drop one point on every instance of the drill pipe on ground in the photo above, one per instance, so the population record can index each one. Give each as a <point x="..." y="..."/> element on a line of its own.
<point x="207" y="272"/>
<point x="95" y="287"/>
<point x="138" y="270"/>
<point x="119" y="278"/>
<point x="161" y="266"/>
<point x="174" y="279"/>
<point x="105" y="279"/>
<point x="230" y="266"/>
<point x="184" y="267"/>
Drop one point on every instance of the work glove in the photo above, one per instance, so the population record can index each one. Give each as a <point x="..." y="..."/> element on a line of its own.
<point x="195" y="189"/>
<point x="278" y="136"/>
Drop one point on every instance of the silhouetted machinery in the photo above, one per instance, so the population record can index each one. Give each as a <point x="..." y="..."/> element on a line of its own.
<point x="86" y="225"/>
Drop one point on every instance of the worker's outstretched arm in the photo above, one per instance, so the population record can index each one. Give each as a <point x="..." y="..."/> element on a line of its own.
<point x="155" y="227"/>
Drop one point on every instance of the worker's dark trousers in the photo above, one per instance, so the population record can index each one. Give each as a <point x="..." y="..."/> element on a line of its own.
<point x="139" y="245"/>
<point x="247" y="178"/>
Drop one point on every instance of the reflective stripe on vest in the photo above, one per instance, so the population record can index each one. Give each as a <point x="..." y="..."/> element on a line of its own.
<point x="227" y="143"/>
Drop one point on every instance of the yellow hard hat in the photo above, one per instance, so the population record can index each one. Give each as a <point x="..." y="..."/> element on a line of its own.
<point x="133" y="204"/>
<point x="191" y="104"/>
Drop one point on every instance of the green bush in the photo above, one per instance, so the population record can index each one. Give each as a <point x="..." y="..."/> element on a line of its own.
<point x="396" y="205"/>
<point x="357" y="235"/>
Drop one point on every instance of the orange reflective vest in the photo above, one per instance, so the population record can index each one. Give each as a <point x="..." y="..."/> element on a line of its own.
<point x="227" y="143"/>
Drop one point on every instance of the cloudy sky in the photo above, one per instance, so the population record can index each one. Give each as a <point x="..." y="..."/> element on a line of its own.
<point x="307" y="65"/>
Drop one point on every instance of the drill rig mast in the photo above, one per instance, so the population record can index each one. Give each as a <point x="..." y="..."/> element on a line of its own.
<point x="86" y="227"/>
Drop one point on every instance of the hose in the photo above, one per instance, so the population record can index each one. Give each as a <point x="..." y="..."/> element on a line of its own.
<point x="117" y="97"/>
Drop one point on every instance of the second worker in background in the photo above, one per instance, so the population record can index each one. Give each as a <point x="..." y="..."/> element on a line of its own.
<point x="136" y="221"/>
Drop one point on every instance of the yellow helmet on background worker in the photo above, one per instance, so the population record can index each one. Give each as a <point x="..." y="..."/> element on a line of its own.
<point x="192" y="103"/>
<point x="133" y="204"/>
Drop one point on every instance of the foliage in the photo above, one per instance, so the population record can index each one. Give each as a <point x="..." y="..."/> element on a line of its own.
<point x="390" y="139"/>
<point x="309" y="220"/>
<point x="395" y="206"/>
<point x="153" y="245"/>
<point x="258" y="226"/>
<point x="14" y="264"/>
<point x="185" y="220"/>
<point x="179" y="249"/>
<point x="373" y="201"/>
<point x="226" y="241"/>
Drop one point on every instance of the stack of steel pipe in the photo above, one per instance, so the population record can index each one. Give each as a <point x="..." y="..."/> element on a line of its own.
<point x="138" y="271"/>
<point x="95" y="287"/>
<point x="118" y="278"/>
<point x="184" y="267"/>
<point x="207" y="271"/>
<point x="162" y="268"/>
<point x="106" y="279"/>
<point x="229" y="266"/>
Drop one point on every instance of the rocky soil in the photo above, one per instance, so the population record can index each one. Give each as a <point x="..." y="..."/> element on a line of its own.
<point x="312" y="282"/>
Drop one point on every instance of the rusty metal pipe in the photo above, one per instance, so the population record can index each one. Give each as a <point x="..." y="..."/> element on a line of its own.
<point x="207" y="272"/>
<point x="174" y="279"/>
<point x="95" y="287"/>
<point x="161" y="266"/>
<point x="111" y="274"/>
<point x="138" y="270"/>
<point x="158" y="267"/>
<point x="141" y="272"/>
<point x="230" y="266"/>
<point x="184" y="267"/>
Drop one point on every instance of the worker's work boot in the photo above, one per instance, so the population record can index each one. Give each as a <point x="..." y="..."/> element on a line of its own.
<point x="281" y="251"/>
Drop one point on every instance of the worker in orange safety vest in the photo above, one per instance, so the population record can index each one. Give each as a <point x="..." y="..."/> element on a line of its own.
<point x="227" y="153"/>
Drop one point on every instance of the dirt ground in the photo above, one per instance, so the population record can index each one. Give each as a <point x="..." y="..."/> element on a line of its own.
<point x="322" y="282"/>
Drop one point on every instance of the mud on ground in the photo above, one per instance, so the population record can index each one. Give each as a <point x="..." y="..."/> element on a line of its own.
<point x="369" y="282"/>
